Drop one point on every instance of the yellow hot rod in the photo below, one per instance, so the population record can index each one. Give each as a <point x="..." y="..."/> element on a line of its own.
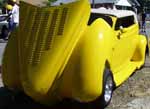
<point x="72" y="51"/>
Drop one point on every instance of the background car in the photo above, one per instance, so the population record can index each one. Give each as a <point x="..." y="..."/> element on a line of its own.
<point x="3" y="24"/>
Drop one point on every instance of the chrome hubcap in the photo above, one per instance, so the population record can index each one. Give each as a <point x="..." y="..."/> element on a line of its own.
<point x="108" y="89"/>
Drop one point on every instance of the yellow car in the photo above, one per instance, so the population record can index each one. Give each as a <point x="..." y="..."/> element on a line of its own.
<point x="72" y="51"/>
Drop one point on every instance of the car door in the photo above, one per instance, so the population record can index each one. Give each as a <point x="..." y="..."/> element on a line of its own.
<point x="123" y="47"/>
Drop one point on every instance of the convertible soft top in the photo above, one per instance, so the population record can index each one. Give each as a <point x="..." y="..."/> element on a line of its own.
<point x="116" y="13"/>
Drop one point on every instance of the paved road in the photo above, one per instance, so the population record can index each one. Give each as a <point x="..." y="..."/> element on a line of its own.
<point x="2" y="46"/>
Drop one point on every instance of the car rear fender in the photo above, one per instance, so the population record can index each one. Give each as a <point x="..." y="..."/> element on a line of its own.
<point x="95" y="50"/>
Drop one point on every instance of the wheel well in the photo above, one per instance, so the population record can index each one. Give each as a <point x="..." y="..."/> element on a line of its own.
<point x="107" y="66"/>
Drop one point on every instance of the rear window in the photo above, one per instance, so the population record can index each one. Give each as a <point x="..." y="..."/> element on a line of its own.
<point x="95" y="16"/>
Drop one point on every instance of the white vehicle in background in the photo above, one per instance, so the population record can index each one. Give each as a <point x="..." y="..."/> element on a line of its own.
<point x="4" y="26"/>
<point x="3" y="21"/>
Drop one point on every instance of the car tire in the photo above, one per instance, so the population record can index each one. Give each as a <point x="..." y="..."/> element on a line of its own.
<point x="108" y="87"/>
<point x="147" y="50"/>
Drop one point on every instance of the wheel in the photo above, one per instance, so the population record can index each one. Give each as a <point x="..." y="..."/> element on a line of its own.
<point x="147" y="51"/>
<point x="108" y="87"/>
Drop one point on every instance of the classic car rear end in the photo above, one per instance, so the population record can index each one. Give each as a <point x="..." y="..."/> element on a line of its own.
<point x="56" y="54"/>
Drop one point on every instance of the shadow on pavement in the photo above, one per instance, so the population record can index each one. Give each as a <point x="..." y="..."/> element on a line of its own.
<point x="10" y="100"/>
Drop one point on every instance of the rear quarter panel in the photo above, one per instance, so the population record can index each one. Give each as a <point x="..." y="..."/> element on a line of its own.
<point x="88" y="62"/>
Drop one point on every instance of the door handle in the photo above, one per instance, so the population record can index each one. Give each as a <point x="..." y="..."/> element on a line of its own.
<point x="119" y="35"/>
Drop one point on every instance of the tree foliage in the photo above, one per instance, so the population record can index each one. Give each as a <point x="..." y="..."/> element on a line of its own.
<point x="50" y="1"/>
<point x="1" y="3"/>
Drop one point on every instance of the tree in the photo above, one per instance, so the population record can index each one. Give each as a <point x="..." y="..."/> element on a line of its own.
<point x="50" y="1"/>
<point x="146" y="5"/>
<point x="1" y="3"/>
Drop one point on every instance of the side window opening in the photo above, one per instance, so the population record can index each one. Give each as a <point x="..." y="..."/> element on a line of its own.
<point x="95" y="16"/>
<point x="125" y="22"/>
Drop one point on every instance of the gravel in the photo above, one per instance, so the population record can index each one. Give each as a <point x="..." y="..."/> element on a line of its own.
<point x="135" y="92"/>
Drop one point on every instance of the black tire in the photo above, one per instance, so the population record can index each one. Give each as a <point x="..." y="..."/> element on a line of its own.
<point x="147" y="50"/>
<point x="106" y="96"/>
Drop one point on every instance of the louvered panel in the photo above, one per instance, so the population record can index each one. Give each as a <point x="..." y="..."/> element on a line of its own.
<point x="40" y="31"/>
<point x="29" y="26"/>
<point x="51" y="29"/>
<point x="34" y="36"/>
<point x="25" y="28"/>
<point x="24" y="16"/>
<point x="62" y="21"/>
<point x="41" y="36"/>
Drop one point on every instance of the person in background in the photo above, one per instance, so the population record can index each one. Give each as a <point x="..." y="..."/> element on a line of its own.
<point x="143" y="22"/>
<point x="5" y="29"/>
<point x="14" y="14"/>
<point x="9" y="18"/>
